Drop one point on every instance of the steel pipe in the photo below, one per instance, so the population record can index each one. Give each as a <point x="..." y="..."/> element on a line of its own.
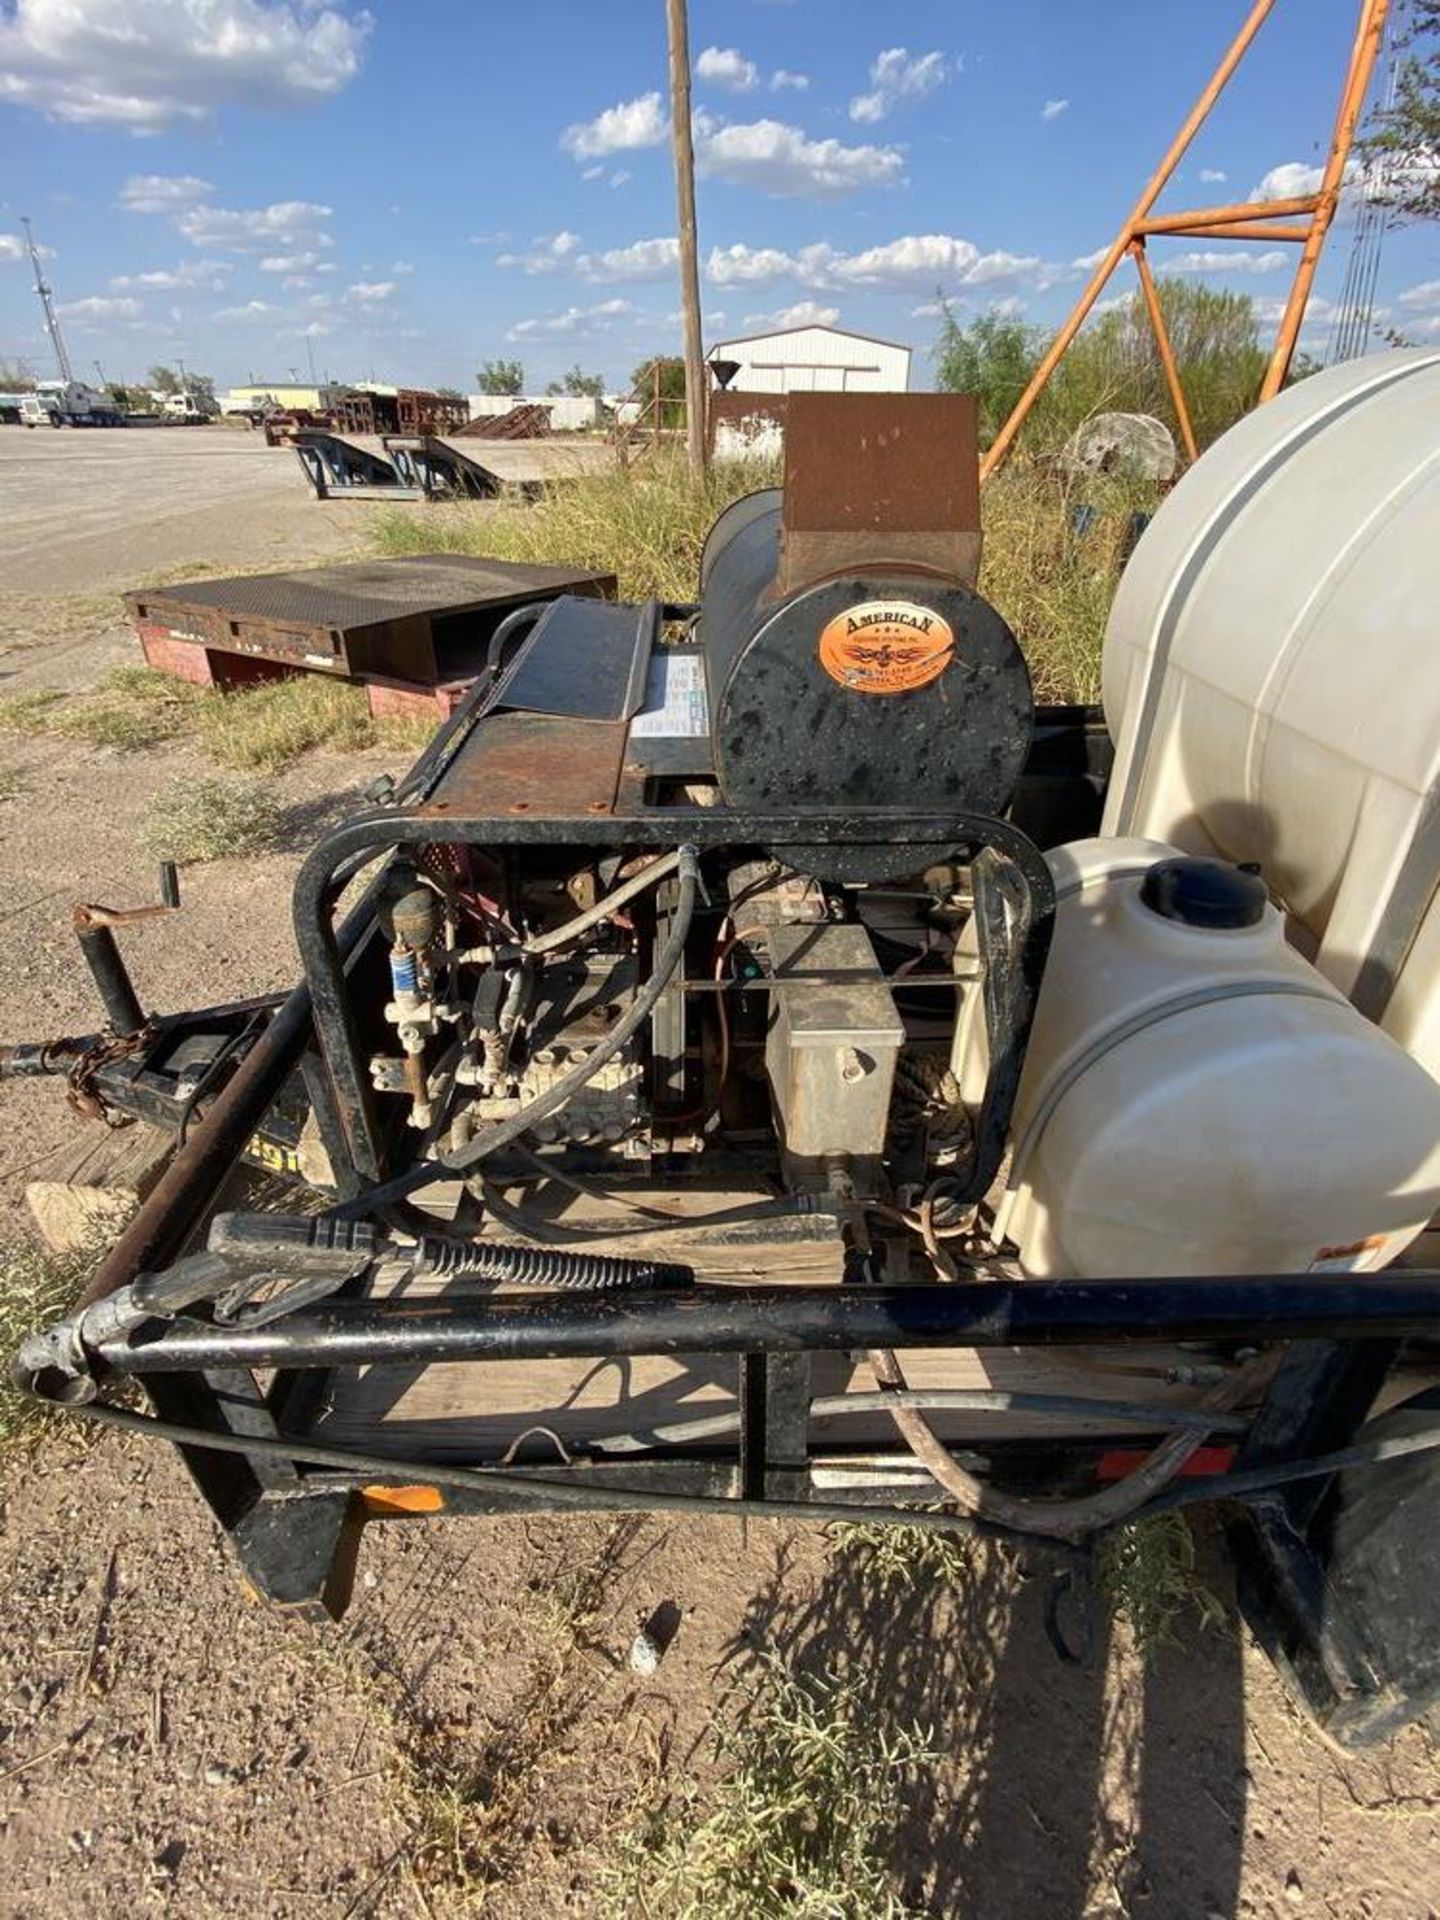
<point x="728" y="1319"/>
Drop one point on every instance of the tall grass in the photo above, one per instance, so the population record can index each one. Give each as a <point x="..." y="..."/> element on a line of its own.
<point x="647" y="525"/>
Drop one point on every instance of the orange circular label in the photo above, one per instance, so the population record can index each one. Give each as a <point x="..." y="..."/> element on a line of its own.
<point x="886" y="646"/>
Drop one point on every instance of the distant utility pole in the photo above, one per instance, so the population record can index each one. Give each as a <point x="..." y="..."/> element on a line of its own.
<point x="52" y="325"/>
<point x="695" y="395"/>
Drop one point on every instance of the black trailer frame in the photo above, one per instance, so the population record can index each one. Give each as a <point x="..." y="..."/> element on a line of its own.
<point x="293" y="1507"/>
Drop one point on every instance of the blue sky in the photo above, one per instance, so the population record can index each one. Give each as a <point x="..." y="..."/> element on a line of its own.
<point x="411" y="188"/>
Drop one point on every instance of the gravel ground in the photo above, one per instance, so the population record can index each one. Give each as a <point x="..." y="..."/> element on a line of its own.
<point x="168" y="1745"/>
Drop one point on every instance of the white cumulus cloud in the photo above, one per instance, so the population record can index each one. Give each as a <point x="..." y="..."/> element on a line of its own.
<point x="1212" y="176"/>
<point x="619" y="129"/>
<point x="145" y="64"/>
<point x="1292" y="180"/>
<point x="290" y="262"/>
<point x="546" y="254"/>
<point x="574" y="320"/>
<point x="96" y="306"/>
<point x="642" y="260"/>
<point x="896" y="75"/>
<point x="1421" y="298"/>
<point x="1053" y="109"/>
<point x="728" y="68"/>
<point x="209" y="274"/>
<point x="287" y="224"/>
<point x="253" y="310"/>
<point x="162" y="192"/>
<point x="914" y="262"/>
<point x="371" y="293"/>
<point x="922" y="259"/>
<point x="780" y="160"/>
<point x="805" y="313"/>
<point x="785" y="78"/>
<point x="739" y="265"/>
<point x="1235" y="260"/>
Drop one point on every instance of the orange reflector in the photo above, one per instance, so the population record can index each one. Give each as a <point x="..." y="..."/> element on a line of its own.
<point x="382" y="1501"/>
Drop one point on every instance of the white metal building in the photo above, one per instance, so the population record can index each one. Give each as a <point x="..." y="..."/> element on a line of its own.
<point x="815" y="360"/>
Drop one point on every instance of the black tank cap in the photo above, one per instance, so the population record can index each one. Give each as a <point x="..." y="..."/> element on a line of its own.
<point x="1205" y="893"/>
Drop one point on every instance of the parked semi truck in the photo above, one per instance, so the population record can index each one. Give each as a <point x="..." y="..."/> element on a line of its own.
<point x="69" y="403"/>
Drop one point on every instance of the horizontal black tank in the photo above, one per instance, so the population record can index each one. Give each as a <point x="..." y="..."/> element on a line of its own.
<point x="889" y="686"/>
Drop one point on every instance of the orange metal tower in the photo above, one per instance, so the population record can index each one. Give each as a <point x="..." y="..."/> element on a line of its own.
<point x="1304" y="219"/>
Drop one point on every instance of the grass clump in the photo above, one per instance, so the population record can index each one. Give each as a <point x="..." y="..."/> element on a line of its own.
<point x="899" y="1560"/>
<point x="1147" y="1574"/>
<point x="197" y="820"/>
<point x="645" y="523"/>
<point x="266" y="727"/>
<point x="37" y="1287"/>
<point x="256" y="729"/>
<point x="796" y="1826"/>
<point x="129" y="708"/>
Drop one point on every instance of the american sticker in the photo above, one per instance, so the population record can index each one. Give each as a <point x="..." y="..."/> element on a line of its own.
<point x="886" y="646"/>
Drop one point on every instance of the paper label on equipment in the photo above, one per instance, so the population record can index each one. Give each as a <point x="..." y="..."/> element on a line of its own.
<point x="676" y="707"/>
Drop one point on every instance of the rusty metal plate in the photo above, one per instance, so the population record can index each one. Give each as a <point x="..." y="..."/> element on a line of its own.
<point x="893" y="462"/>
<point x="540" y="764"/>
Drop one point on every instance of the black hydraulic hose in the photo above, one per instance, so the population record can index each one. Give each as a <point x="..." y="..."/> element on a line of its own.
<point x="518" y="617"/>
<point x="461" y="1159"/>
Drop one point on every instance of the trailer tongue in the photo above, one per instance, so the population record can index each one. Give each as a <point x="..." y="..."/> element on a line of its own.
<point x="750" y="1083"/>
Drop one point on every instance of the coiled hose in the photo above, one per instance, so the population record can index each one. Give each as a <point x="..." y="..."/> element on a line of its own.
<point x="559" y="1267"/>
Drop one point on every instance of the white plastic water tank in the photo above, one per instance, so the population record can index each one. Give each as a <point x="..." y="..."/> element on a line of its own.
<point x="1196" y="1098"/>
<point x="1272" y="675"/>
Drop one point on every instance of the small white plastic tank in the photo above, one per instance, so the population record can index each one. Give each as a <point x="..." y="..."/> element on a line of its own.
<point x="1197" y="1098"/>
<point x="1272" y="675"/>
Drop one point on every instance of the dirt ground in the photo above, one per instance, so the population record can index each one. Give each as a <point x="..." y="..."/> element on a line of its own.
<point x="168" y="1745"/>
<point x="86" y="511"/>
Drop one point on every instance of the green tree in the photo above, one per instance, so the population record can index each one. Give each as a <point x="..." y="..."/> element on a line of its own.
<point x="588" y="386"/>
<point x="200" y="386"/>
<point x="1115" y="364"/>
<point x="1402" y="148"/>
<point x="501" y="376"/>
<point x="201" y="389"/>
<point x="992" y="357"/>
<point x="672" y="376"/>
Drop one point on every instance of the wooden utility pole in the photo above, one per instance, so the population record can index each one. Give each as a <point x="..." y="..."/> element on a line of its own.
<point x="695" y="395"/>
